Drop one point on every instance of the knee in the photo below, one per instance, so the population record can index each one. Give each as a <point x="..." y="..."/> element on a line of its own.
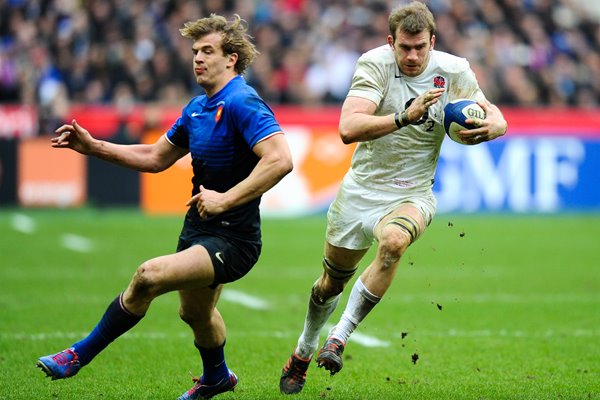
<point x="392" y="244"/>
<point x="145" y="283"/>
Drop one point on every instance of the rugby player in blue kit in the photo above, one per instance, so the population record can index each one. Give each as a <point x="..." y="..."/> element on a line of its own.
<point x="238" y="152"/>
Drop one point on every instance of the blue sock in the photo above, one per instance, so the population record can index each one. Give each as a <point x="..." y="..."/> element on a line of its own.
<point x="115" y="322"/>
<point x="213" y="363"/>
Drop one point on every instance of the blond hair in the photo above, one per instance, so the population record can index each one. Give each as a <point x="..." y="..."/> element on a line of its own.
<point x="235" y="38"/>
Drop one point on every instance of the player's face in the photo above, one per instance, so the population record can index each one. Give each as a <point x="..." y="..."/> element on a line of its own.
<point x="412" y="51"/>
<point x="212" y="68"/>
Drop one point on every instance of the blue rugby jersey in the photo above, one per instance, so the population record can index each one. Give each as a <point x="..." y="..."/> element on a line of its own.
<point x="219" y="132"/>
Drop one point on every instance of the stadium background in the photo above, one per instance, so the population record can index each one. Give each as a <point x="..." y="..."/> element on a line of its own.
<point x="122" y="70"/>
<point x="526" y="53"/>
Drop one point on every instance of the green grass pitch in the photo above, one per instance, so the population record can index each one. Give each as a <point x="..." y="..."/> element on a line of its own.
<point x="494" y="306"/>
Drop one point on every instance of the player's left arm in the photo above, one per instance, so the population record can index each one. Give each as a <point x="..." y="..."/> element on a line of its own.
<point x="492" y="126"/>
<point x="275" y="162"/>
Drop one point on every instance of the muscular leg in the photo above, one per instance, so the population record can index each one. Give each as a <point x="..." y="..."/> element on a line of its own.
<point x="339" y="265"/>
<point x="198" y="310"/>
<point x="189" y="268"/>
<point x="395" y="232"/>
<point x="186" y="270"/>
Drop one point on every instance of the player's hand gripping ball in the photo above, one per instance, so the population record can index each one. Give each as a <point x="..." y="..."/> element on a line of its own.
<point x="456" y="113"/>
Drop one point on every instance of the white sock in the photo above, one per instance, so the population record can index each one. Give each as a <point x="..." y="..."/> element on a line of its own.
<point x="360" y="303"/>
<point x="316" y="316"/>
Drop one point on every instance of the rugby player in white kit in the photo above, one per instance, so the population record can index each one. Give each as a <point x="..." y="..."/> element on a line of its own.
<point x="394" y="111"/>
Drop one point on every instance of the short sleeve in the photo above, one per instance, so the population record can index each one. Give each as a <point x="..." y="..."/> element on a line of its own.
<point x="178" y="134"/>
<point x="254" y="119"/>
<point x="368" y="81"/>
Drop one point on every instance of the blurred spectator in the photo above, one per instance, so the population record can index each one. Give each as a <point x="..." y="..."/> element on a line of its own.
<point x="527" y="53"/>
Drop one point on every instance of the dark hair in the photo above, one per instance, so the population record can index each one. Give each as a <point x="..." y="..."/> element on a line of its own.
<point x="234" y="34"/>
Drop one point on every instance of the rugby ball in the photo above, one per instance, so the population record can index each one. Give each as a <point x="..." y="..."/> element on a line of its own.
<point x="456" y="113"/>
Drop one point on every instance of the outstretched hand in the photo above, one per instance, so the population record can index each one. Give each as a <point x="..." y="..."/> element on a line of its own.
<point x="494" y="125"/>
<point x="74" y="137"/>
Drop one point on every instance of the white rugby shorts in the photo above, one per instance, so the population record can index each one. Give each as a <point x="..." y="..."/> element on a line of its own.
<point x="357" y="209"/>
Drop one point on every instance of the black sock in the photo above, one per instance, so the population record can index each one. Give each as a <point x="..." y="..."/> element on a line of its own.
<point x="213" y="363"/>
<point x="115" y="322"/>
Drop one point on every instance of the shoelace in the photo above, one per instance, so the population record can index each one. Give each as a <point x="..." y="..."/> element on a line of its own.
<point x="199" y="384"/>
<point x="61" y="358"/>
<point x="296" y="369"/>
<point x="333" y="347"/>
<point x="199" y="381"/>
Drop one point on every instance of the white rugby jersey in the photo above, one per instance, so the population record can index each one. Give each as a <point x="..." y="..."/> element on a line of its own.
<point x="407" y="157"/>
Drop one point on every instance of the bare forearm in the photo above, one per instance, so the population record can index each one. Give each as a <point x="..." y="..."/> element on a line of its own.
<point x="134" y="156"/>
<point x="359" y="127"/>
<point x="141" y="157"/>
<point x="267" y="173"/>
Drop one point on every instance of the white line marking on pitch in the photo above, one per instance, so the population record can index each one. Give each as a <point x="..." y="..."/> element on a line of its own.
<point x="368" y="341"/>
<point x="244" y="299"/>
<point x="362" y="339"/>
<point x="76" y="243"/>
<point x="23" y="223"/>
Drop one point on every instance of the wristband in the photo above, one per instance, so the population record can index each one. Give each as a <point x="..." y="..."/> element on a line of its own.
<point x="397" y="120"/>
<point x="404" y="118"/>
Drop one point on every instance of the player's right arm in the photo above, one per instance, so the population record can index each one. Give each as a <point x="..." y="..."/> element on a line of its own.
<point x="358" y="122"/>
<point x="154" y="157"/>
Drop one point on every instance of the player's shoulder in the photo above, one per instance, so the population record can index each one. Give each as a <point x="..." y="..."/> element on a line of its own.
<point x="449" y="63"/>
<point x="239" y="91"/>
<point x="241" y="100"/>
<point x="382" y="55"/>
<point x="239" y="85"/>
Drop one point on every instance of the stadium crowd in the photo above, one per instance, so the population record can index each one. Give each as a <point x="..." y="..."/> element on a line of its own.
<point x="525" y="52"/>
